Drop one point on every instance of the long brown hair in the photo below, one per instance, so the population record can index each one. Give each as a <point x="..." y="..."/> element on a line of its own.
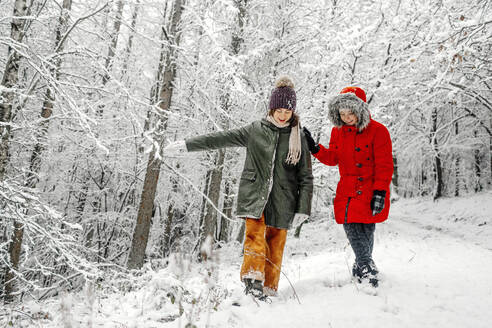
<point x="294" y="120"/>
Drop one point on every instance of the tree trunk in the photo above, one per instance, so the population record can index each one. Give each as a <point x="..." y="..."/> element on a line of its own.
<point x="205" y="192"/>
<point x="227" y="210"/>
<point x="82" y="199"/>
<point x="237" y="42"/>
<point x="49" y="99"/>
<point x="142" y="227"/>
<point x="156" y="87"/>
<point x="9" y="81"/>
<point x="437" y="158"/>
<point x="111" y="50"/>
<point x="130" y="37"/>
<point x="32" y="178"/>
<point x="168" y="225"/>
<point x="477" y="167"/>
<point x="114" y="43"/>
<point x="457" y="164"/>
<point x="423" y="180"/>
<point x="14" y="252"/>
<point x="240" y="234"/>
<point x="209" y="223"/>
<point x="439" y="182"/>
<point x="395" y="174"/>
<point x="237" y="37"/>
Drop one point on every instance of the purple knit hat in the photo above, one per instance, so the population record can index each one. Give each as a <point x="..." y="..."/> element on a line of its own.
<point x="283" y="96"/>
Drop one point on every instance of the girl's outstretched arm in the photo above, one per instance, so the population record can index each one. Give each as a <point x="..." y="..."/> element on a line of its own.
<point x="230" y="138"/>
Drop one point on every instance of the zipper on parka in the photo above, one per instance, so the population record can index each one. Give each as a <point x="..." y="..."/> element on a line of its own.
<point x="346" y="209"/>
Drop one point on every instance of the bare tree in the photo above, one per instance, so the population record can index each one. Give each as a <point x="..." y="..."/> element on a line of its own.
<point x="142" y="227"/>
<point x="227" y="209"/>
<point x="129" y="44"/>
<point x="9" y="82"/>
<point x="49" y="97"/>
<point x="10" y="78"/>
<point x="113" y="43"/>
<point x="209" y="222"/>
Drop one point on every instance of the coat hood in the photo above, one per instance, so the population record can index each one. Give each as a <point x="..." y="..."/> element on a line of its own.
<point x="352" y="102"/>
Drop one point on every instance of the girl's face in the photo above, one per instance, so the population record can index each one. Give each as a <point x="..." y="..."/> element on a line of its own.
<point x="348" y="117"/>
<point x="282" y="115"/>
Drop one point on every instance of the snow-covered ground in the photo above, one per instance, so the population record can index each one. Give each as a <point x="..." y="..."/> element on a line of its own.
<point x="435" y="260"/>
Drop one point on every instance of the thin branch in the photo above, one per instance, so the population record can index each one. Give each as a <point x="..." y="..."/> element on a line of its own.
<point x="80" y="19"/>
<point x="473" y="94"/>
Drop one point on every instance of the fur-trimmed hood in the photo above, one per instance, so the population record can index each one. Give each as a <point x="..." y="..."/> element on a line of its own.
<point x="352" y="102"/>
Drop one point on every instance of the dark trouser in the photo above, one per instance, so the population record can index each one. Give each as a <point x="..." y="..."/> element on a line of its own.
<point x="361" y="238"/>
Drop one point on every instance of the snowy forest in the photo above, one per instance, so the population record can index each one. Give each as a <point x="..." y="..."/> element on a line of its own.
<point x="92" y="92"/>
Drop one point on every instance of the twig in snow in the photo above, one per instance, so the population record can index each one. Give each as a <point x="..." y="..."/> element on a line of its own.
<point x="413" y="256"/>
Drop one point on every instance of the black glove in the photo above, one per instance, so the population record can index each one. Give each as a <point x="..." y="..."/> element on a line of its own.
<point x="377" y="201"/>
<point x="313" y="146"/>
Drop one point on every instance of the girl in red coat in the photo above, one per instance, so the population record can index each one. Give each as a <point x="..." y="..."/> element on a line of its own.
<point x="361" y="147"/>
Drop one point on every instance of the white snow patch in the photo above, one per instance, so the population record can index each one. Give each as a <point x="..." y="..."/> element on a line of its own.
<point x="435" y="261"/>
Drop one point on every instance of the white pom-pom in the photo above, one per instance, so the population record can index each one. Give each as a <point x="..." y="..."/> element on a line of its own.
<point x="284" y="81"/>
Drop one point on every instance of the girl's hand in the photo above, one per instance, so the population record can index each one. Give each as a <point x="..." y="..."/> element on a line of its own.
<point x="313" y="147"/>
<point x="174" y="148"/>
<point x="377" y="201"/>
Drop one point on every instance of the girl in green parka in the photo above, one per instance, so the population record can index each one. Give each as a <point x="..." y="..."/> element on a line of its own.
<point x="276" y="184"/>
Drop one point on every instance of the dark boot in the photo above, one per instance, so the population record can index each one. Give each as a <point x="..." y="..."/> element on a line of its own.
<point x="356" y="272"/>
<point x="255" y="288"/>
<point x="369" y="271"/>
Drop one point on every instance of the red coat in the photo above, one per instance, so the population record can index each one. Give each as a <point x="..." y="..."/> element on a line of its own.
<point x="365" y="164"/>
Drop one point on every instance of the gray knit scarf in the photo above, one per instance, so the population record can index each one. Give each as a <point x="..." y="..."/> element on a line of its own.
<point x="294" y="141"/>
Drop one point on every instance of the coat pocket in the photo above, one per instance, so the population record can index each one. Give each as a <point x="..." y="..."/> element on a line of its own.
<point x="249" y="176"/>
<point x="248" y="192"/>
<point x="289" y="199"/>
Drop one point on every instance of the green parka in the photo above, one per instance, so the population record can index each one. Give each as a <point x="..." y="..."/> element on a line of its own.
<point x="268" y="184"/>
